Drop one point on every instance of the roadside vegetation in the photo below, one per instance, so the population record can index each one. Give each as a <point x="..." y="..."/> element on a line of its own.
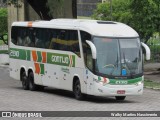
<point x="3" y="21"/>
<point x="151" y="84"/>
<point x="142" y="15"/>
<point x="1" y="42"/>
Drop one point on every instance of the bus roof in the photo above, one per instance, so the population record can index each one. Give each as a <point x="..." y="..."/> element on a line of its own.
<point x="94" y="27"/>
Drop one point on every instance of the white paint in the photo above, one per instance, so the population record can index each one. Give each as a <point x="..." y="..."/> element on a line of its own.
<point x="55" y="77"/>
<point x="147" y="49"/>
<point x="93" y="49"/>
<point x="4" y="58"/>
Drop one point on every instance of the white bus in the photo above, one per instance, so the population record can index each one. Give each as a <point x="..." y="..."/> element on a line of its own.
<point x="101" y="58"/>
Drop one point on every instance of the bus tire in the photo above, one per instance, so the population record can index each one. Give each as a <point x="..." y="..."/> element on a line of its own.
<point x="77" y="90"/>
<point x="40" y="88"/>
<point x="32" y="85"/>
<point x="24" y="79"/>
<point x="120" y="97"/>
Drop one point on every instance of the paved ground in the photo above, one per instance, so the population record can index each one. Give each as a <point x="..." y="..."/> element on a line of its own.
<point x="151" y="67"/>
<point x="152" y="71"/>
<point x="13" y="98"/>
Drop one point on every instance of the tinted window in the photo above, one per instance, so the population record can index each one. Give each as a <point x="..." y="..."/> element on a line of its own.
<point x="86" y="49"/>
<point x="66" y="40"/>
<point x="14" y="35"/>
<point x="42" y="37"/>
<point x="73" y="42"/>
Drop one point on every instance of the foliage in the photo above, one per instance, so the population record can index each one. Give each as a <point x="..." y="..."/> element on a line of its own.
<point x="154" y="45"/>
<point x="4" y="51"/>
<point x="151" y="84"/>
<point x="142" y="15"/>
<point x="1" y="42"/>
<point x="102" y="12"/>
<point x="56" y="7"/>
<point x="3" y="21"/>
<point x="120" y="11"/>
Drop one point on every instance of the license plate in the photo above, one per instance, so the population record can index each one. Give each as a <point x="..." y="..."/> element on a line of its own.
<point x="120" y="91"/>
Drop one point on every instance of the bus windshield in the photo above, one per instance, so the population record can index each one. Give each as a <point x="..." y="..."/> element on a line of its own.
<point x="118" y="57"/>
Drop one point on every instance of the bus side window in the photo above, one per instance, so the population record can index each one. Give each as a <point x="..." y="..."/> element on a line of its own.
<point x="41" y="36"/>
<point x="73" y="43"/>
<point x="14" y="35"/>
<point x="54" y="37"/>
<point x="86" y="50"/>
<point x="63" y="40"/>
<point x="30" y="39"/>
<point x="21" y="36"/>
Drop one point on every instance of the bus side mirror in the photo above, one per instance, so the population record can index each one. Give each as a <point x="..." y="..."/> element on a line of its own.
<point x="93" y="49"/>
<point x="147" y="49"/>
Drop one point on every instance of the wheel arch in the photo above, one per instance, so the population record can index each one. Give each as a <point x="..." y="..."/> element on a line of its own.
<point x="22" y="69"/>
<point x="29" y="70"/>
<point x="75" y="78"/>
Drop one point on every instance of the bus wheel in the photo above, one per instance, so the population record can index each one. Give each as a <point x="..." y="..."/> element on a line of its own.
<point x="32" y="85"/>
<point x="77" y="90"/>
<point x="25" y="83"/>
<point x="120" y="97"/>
<point x="40" y="88"/>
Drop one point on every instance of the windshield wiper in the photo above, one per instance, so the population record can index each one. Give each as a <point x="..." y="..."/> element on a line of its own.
<point x="115" y="64"/>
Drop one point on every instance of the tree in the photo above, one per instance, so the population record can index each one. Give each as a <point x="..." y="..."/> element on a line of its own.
<point x="49" y="9"/>
<point x="41" y="9"/>
<point x="142" y="15"/>
<point x="3" y="21"/>
<point x="120" y="11"/>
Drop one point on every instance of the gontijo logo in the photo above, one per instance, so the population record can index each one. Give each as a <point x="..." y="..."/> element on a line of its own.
<point x="68" y="60"/>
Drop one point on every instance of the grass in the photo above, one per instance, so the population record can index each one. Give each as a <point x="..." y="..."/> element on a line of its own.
<point x="151" y="84"/>
<point x="3" y="51"/>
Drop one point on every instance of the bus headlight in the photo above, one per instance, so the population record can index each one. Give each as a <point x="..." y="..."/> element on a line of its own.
<point x="139" y="83"/>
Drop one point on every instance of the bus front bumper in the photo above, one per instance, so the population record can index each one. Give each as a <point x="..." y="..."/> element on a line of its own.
<point x="117" y="90"/>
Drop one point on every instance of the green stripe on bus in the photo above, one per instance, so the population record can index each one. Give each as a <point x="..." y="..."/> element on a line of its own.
<point x="73" y="60"/>
<point x="52" y="58"/>
<point x="28" y="55"/>
<point x="123" y="82"/>
<point x="42" y="68"/>
<point x="18" y="54"/>
<point x="39" y="56"/>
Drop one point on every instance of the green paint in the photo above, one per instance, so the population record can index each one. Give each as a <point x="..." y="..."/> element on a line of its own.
<point x="39" y="56"/>
<point x="42" y="68"/>
<point x="99" y="78"/>
<point x="73" y="60"/>
<point x="18" y="54"/>
<point x="28" y="55"/>
<point x="124" y="82"/>
<point x="52" y="58"/>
